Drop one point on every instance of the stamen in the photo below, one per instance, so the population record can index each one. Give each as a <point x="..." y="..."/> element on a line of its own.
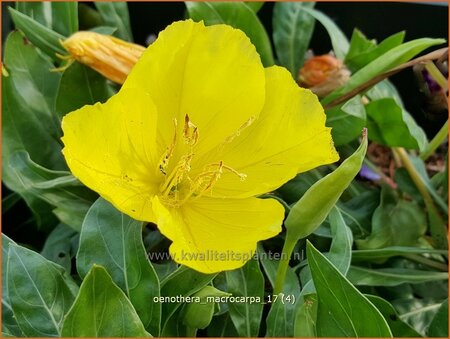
<point x="190" y="132"/>
<point x="239" y="130"/>
<point x="164" y="162"/>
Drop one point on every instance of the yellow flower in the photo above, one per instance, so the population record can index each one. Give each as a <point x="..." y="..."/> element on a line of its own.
<point x="111" y="57"/>
<point x="198" y="130"/>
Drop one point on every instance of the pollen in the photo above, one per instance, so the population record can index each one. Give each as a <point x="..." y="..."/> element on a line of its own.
<point x="179" y="185"/>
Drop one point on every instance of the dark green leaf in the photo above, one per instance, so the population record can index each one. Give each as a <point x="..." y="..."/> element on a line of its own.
<point x="47" y="40"/>
<point x="115" y="14"/>
<point x="338" y="40"/>
<point x="222" y="326"/>
<point x="387" y="252"/>
<point x="61" y="245"/>
<point x="280" y="320"/>
<point x="363" y="51"/>
<point x="392" y="276"/>
<point x="396" y="222"/>
<point x="57" y="188"/>
<point x="418" y="313"/>
<point x="9" y="323"/>
<point x="80" y="86"/>
<point x="254" y="5"/>
<point x="338" y="300"/>
<point x="247" y="281"/>
<point x="347" y="121"/>
<point x="61" y="17"/>
<point x="105" y="30"/>
<point x="40" y="292"/>
<point x="114" y="240"/>
<point x="340" y="253"/>
<point x="101" y="309"/>
<point x="292" y="31"/>
<point x="439" y="325"/>
<point x="312" y="209"/>
<point x="183" y="282"/>
<point x="391" y="125"/>
<point x="238" y="15"/>
<point x="399" y="328"/>
<point x="394" y="57"/>
<point x="29" y="91"/>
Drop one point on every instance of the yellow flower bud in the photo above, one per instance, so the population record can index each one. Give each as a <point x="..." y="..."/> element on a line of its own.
<point x="111" y="57"/>
<point x="322" y="74"/>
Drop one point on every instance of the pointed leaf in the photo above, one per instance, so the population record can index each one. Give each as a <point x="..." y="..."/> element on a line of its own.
<point x="114" y="240"/>
<point x="342" y="311"/>
<point x="101" y="309"/>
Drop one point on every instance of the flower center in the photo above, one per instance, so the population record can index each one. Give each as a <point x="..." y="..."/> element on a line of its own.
<point x="179" y="185"/>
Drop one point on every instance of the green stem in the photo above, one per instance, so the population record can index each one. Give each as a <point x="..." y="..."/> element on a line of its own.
<point x="437" y="75"/>
<point x="191" y="332"/>
<point x="288" y="248"/>
<point x="437" y="225"/>
<point x="438" y="139"/>
<point x="428" y="262"/>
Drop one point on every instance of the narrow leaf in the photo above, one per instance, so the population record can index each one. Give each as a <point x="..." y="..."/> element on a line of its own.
<point x="247" y="281"/>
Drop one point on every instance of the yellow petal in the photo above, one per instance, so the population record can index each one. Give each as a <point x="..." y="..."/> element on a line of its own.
<point x="110" y="148"/>
<point x="289" y="137"/>
<point x="212" y="74"/>
<point x="212" y="235"/>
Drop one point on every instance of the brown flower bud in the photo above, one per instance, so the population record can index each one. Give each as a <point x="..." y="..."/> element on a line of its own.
<point x="322" y="74"/>
<point x="111" y="57"/>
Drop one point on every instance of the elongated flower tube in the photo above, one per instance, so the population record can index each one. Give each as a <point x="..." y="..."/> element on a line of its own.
<point x="111" y="57"/>
<point x="198" y="130"/>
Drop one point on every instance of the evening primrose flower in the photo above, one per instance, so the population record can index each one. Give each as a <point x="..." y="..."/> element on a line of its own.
<point x="197" y="131"/>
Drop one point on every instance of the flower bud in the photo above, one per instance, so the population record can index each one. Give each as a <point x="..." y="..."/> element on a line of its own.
<point x="323" y="74"/>
<point x="111" y="57"/>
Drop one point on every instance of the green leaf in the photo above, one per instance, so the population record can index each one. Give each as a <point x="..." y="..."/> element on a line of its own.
<point x="247" y="281"/>
<point x="57" y="188"/>
<point x="29" y="91"/>
<point x="396" y="222"/>
<point x="399" y="328"/>
<point x="40" y="292"/>
<point x="47" y="40"/>
<point x="101" y="309"/>
<point x="61" y="17"/>
<point x="388" y="252"/>
<point x="292" y="32"/>
<point x="105" y="30"/>
<point x="254" y="5"/>
<point x="80" y="86"/>
<point x="222" y="326"/>
<point x="115" y="14"/>
<point x="114" y="241"/>
<point x="347" y="121"/>
<point x="362" y="276"/>
<point x="439" y="325"/>
<point x="362" y="51"/>
<point x="338" y="39"/>
<point x="9" y="322"/>
<point x="418" y="313"/>
<point x="199" y="314"/>
<point x="306" y="317"/>
<point x="338" y="300"/>
<point x="312" y="209"/>
<point x="280" y="320"/>
<point x="340" y="253"/>
<point x="384" y="89"/>
<point x="60" y="246"/>
<point x="183" y="282"/>
<point x="238" y="15"/>
<point x="390" y="125"/>
<point x="394" y="57"/>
